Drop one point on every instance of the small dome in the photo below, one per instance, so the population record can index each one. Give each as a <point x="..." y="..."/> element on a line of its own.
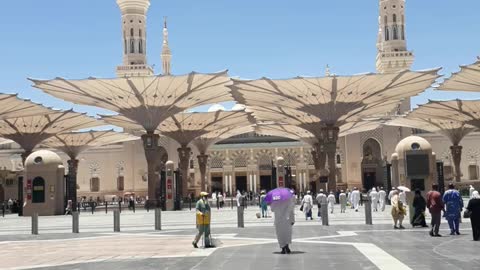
<point x="43" y="157"/>
<point x="412" y="143"/>
<point x="216" y="107"/>
<point x="238" y="107"/>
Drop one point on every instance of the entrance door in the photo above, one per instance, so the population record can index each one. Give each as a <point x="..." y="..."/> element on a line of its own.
<point x="217" y="184"/>
<point x="265" y="182"/>
<point x="369" y="180"/>
<point x="241" y="183"/>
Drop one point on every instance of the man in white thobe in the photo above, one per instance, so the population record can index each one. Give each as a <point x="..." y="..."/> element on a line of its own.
<point x="403" y="197"/>
<point x="343" y="201"/>
<point x="374" y="199"/>
<point x="284" y="219"/>
<point x="472" y="189"/>
<point x="355" y="198"/>
<point x="307" y="204"/>
<point x="321" y="199"/>
<point x="331" y="201"/>
<point x="239" y="198"/>
<point x="390" y="194"/>
<point x="381" y="198"/>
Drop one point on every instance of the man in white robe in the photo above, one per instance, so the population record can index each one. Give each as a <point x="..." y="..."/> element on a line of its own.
<point x="355" y="198"/>
<point x="343" y="201"/>
<point x="321" y="199"/>
<point x="381" y="198"/>
<point x="331" y="201"/>
<point x="239" y="198"/>
<point x="284" y="219"/>
<point x="307" y="204"/>
<point x="390" y="194"/>
<point x="471" y="190"/>
<point x="374" y="199"/>
<point x="403" y="197"/>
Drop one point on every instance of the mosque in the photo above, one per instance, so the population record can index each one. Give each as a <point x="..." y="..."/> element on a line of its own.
<point x="244" y="162"/>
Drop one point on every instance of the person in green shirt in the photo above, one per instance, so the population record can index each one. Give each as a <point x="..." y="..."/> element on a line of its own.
<point x="203" y="220"/>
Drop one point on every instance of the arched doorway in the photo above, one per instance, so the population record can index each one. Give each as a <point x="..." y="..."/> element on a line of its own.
<point x="372" y="175"/>
<point x="2" y="194"/>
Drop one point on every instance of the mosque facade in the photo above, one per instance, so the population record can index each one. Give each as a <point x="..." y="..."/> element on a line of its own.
<point x="244" y="162"/>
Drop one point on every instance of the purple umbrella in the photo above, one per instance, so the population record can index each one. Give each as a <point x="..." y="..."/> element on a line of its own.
<point x="278" y="195"/>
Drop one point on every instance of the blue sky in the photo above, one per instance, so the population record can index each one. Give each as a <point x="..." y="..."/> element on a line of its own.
<point x="251" y="38"/>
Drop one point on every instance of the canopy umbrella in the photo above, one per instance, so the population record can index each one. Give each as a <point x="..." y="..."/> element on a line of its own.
<point x="278" y="195"/>
<point x="467" y="79"/>
<point x="403" y="188"/>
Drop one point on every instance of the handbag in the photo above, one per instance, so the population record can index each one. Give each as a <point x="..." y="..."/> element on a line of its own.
<point x="301" y="208"/>
<point x="466" y="214"/>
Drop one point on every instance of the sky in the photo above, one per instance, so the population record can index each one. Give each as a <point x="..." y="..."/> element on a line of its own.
<point x="272" y="38"/>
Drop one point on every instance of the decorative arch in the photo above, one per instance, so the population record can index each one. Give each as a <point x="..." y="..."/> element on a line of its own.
<point x="372" y="170"/>
<point x="240" y="159"/>
<point x="290" y="156"/>
<point x="264" y="159"/>
<point x="216" y="160"/>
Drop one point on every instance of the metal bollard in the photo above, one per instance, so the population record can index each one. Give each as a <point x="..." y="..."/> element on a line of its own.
<point x="75" y="222"/>
<point x="240" y="218"/>
<point x="35" y="223"/>
<point x="158" y="219"/>
<point x="116" y="221"/>
<point x="93" y="207"/>
<point x="324" y="212"/>
<point x="106" y="208"/>
<point x="120" y="206"/>
<point x="368" y="211"/>
<point x="231" y="202"/>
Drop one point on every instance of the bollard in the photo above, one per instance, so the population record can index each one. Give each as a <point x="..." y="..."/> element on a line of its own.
<point x="134" y="207"/>
<point x="158" y="219"/>
<point x="93" y="207"/>
<point x="106" y="207"/>
<point x="75" y="222"/>
<point x="324" y="212"/>
<point x="35" y="223"/>
<point x="231" y="203"/>
<point x="368" y="211"/>
<point x="190" y="203"/>
<point x="240" y="223"/>
<point x="120" y="206"/>
<point x="116" y="221"/>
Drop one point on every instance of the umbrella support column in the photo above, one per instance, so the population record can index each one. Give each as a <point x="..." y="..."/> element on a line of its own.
<point x="368" y="211"/>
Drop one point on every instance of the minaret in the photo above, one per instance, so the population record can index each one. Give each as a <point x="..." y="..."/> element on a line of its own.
<point x="134" y="25"/>
<point x="166" y="53"/>
<point x="392" y="55"/>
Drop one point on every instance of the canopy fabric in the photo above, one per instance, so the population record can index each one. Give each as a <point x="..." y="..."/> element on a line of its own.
<point x="28" y="131"/>
<point x="184" y="127"/>
<point x="464" y="111"/>
<point x="467" y="79"/>
<point x="11" y="107"/>
<point x="73" y="143"/>
<point x="147" y="101"/>
<point x="333" y="100"/>
<point x="204" y="141"/>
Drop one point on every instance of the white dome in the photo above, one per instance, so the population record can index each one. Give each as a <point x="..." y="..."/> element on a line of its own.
<point x="238" y="107"/>
<point x="216" y="107"/>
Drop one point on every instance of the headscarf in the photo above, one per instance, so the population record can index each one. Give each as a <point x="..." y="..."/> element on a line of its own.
<point x="475" y="195"/>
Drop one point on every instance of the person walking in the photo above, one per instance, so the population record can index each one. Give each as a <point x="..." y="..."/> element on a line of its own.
<point x="398" y="211"/>
<point x="435" y="206"/>
<point x="473" y="208"/>
<point x="203" y="220"/>
<point x="307" y="204"/>
<point x="263" y="204"/>
<point x="355" y="198"/>
<point x="382" y="198"/>
<point x="321" y="199"/>
<point x="239" y="198"/>
<point x="284" y="213"/>
<point x="453" y="204"/>
<point x="470" y="191"/>
<point x="331" y="201"/>
<point x="419" y="204"/>
<point x="343" y="201"/>
<point x="390" y="195"/>
<point x="374" y="197"/>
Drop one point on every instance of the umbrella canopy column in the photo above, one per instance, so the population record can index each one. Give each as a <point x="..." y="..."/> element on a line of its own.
<point x="202" y="164"/>
<point x="330" y="138"/>
<point x="72" y="180"/>
<point x="184" y="164"/>
<point x="456" y="151"/>
<point x="150" y="145"/>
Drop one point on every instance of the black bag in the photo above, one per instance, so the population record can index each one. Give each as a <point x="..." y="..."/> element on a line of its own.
<point x="466" y="214"/>
<point x="301" y="208"/>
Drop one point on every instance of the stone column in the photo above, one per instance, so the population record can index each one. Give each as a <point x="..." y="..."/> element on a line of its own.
<point x="150" y="146"/>
<point x="255" y="182"/>
<point x="330" y="138"/>
<point x="184" y="166"/>
<point x="72" y="182"/>
<point x="202" y="164"/>
<point x="225" y="183"/>
<point x="456" y="151"/>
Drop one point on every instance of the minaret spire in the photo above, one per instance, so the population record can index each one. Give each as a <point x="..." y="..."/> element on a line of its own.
<point x="327" y="71"/>
<point x="166" y="53"/>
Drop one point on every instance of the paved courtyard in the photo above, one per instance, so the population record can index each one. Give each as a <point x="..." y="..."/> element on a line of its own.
<point x="347" y="243"/>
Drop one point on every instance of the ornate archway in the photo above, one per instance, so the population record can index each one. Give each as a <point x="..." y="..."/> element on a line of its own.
<point x="372" y="171"/>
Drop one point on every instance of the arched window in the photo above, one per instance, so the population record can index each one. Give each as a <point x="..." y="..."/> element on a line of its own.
<point x="140" y="46"/>
<point x="387" y="32"/>
<point x="339" y="160"/>
<point x="131" y="32"/>
<point x="38" y="190"/>
<point x="94" y="184"/>
<point x="140" y="32"/>
<point x="394" y="18"/>
<point x="126" y="46"/>
<point x="395" y="32"/>
<point x="403" y="32"/>
<point x="132" y="46"/>
<point x="120" y="183"/>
